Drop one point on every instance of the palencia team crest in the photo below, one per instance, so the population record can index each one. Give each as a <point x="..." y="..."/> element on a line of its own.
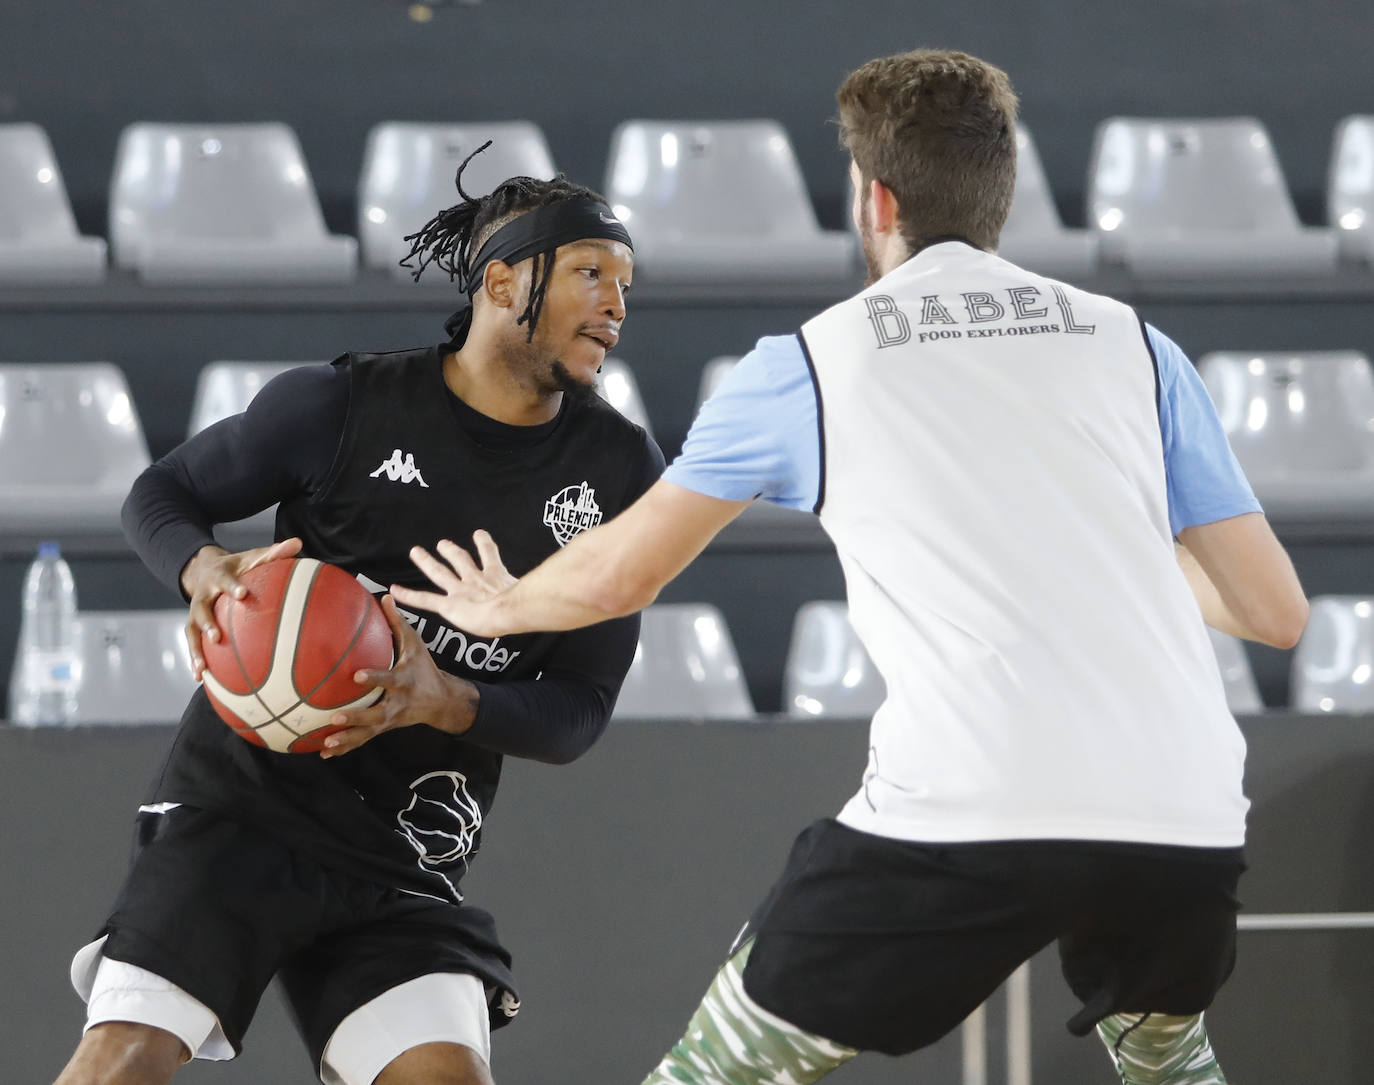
<point x="571" y="510"/>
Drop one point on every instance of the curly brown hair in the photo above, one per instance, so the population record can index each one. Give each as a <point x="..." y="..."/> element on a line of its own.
<point x="938" y="128"/>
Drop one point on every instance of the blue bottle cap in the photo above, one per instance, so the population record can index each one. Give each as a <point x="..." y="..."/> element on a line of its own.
<point x="49" y="550"/>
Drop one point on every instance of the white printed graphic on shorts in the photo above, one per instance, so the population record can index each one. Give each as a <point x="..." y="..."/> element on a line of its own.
<point x="441" y="824"/>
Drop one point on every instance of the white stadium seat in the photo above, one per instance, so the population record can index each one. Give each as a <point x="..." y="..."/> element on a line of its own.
<point x="618" y="387"/>
<point x="134" y="668"/>
<point x="39" y="245"/>
<point x="1302" y="427"/>
<point x="408" y="171"/>
<point x="70" y="447"/>
<point x="1242" y="694"/>
<point x="720" y="202"/>
<point x="1034" y="236"/>
<point x="221" y="203"/>
<point x="1333" y="666"/>
<point x="762" y="519"/>
<point x="1193" y="198"/>
<point x="1350" y="187"/>
<point x="829" y="672"/>
<point x="712" y="373"/>
<point x="226" y="388"/>
<point x="685" y="667"/>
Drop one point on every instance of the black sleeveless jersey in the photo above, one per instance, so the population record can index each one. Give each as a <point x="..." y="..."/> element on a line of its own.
<point x="406" y="809"/>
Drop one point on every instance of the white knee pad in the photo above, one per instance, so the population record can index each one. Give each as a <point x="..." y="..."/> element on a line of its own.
<point x="117" y="991"/>
<point x="444" y="1007"/>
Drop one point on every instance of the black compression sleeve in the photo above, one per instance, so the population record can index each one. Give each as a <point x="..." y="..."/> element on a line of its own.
<point x="557" y="718"/>
<point x="282" y="446"/>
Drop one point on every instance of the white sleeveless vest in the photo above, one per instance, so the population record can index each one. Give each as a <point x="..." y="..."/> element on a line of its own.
<point x="993" y="479"/>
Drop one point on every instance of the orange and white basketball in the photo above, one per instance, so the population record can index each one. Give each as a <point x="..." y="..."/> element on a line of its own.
<point x="289" y="650"/>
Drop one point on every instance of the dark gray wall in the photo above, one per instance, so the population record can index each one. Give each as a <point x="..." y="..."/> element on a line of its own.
<point x="619" y="881"/>
<point x="332" y="68"/>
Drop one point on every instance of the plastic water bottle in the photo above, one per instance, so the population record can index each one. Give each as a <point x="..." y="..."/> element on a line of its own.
<point x="44" y="691"/>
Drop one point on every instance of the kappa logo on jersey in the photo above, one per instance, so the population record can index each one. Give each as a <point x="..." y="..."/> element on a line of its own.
<point x="400" y="470"/>
<point x="441" y="823"/>
<point x="571" y="511"/>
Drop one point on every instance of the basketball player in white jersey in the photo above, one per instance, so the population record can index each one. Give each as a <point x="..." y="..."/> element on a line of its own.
<point x="1036" y="510"/>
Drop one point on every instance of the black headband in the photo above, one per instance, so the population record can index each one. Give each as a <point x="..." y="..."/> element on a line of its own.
<point x="539" y="231"/>
<point x="543" y="230"/>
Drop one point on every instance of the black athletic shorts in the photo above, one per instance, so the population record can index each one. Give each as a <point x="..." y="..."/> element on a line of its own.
<point x="219" y="908"/>
<point x="886" y="945"/>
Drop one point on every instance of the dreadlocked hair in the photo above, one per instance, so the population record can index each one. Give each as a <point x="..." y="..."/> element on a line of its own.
<point x="456" y="234"/>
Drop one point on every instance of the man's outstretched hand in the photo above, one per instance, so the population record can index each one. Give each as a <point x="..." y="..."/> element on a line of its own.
<point x="466" y="589"/>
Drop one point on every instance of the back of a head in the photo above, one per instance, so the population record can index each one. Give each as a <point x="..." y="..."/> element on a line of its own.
<point x="938" y="128"/>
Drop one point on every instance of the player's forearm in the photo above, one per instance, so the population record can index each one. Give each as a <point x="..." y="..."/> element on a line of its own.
<point x="1244" y="580"/>
<point x="164" y="525"/>
<point x="596" y="577"/>
<point x="561" y="595"/>
<point x="456" y="711"/>
<point x="620" y="567"/>
<point x="1281" y="632"/>
<point x="549" y="720"/>
<point x="1215" y="612"/>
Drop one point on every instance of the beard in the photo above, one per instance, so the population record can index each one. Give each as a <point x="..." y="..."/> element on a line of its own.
<point x="575" y="392"/>
<point x="869" y="247"/>
<point x="535" y="362"/>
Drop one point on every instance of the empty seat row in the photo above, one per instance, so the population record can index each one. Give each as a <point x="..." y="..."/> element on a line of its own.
<point x="134" y="666"/>
<point x="234" y="203"/>
<point x="707" y="202"/>
<point x="829" y="673"/>
<point x="1301" y="424"/>
<point x="71" y="443"/>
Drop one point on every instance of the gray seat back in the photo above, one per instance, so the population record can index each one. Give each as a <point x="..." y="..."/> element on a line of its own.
<point x="1238" y="678"/>
<point x="70" y="447"/>
<point x="1294" y="414"/>
<point x="693" y="179"/>
<point x="685" y="666"/>
<point x="408" y="176"/>
<point x="33" y="200"/>
<point x="829" y="672"/>
<point x="618" y="387"/>
<point x="135" y="667"/>
<point x="220" y="202"/>
<point x="226" y="388"/>
<point x="1173" y="175"/>
<point x="1333" y="665"/>
<point x="1350" y="185"/>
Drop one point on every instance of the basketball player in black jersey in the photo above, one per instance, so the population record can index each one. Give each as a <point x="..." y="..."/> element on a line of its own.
<point x="341" y="873"/>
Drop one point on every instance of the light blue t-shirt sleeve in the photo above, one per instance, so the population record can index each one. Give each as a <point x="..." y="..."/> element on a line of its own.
<point x="1205" y="482"/>
<point x="758" y="435"/>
